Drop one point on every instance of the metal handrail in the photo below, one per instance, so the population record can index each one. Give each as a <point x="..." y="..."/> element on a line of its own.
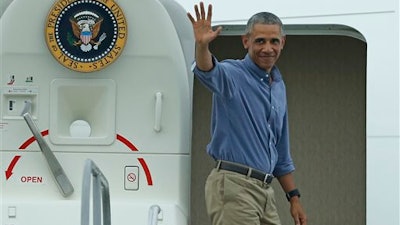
<point x="100" y="191"/>
<point x="153" y="214"/>
<point x="62" y="181"/>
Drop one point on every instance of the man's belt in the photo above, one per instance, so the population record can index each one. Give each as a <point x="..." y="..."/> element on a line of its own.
<point x="245" y="170"/>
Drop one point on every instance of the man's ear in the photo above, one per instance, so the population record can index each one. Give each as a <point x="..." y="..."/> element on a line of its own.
<point x="283" y="42"/>
<point x="245" y="41"/>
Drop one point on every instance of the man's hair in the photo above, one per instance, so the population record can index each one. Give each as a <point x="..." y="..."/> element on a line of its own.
<point x="264" y="18"/>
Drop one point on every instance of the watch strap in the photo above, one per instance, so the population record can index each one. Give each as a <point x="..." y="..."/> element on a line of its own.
<point x="292" y="193"/>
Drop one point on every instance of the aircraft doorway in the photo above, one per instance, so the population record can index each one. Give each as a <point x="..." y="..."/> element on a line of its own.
<point x="325" y="76"/>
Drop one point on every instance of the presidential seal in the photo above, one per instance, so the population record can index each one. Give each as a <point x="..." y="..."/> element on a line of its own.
<point x="86" y="35"/>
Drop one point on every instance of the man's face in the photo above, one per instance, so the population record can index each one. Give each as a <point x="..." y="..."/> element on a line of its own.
<point x="264" y="44"/>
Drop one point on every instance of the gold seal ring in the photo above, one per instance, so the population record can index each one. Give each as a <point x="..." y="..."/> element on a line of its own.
<point x="86" y="35"/>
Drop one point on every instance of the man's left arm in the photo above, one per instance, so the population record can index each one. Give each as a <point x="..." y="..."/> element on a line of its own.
<point x="288" y="186"/>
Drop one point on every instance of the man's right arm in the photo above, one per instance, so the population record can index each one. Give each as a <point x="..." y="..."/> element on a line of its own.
<point x="203" y="58"/>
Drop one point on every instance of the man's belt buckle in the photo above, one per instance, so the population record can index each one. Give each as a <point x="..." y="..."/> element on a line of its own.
<point x="267" y="178"/>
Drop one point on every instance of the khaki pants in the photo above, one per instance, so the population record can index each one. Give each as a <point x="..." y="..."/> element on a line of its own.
<point x="234" y="199"/>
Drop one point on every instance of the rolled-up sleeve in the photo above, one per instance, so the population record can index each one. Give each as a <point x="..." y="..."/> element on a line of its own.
<point x="218" y="79"/>
<point x="285" y="163"/>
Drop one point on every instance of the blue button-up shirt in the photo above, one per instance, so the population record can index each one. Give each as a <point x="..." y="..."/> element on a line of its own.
<point x="249" y="123"/>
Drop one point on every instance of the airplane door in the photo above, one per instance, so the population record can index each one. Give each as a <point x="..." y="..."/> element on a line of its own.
<point x="102" y="80"/>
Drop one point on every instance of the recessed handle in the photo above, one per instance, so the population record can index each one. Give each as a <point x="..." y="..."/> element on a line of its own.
<point x="158" y="112"/>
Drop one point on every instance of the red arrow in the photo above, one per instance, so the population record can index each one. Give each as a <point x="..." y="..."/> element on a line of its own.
<point x="11" y="166"/>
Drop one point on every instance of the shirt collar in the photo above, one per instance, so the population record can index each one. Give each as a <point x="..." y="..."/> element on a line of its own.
<point x="260" y="73"/>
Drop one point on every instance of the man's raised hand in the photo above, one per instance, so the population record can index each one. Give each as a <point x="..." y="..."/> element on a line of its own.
<point x="203" y="31"/>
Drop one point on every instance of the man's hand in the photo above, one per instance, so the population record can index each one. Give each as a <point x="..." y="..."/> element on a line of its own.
<point x="297" y="212"/>
<point x="202" y="25"/>
<point x="203" y="34"/>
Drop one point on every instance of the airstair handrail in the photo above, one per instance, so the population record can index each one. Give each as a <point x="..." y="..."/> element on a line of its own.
<point x="153" y="214"/>
<point x="100" y="191"/>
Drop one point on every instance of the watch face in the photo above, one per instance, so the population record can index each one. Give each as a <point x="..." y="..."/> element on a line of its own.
<point x="86" y="35"/>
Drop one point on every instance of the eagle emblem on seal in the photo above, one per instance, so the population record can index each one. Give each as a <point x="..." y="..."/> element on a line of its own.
<point x="86" y="27"/>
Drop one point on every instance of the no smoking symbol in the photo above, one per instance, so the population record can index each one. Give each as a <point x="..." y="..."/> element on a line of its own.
<point x="131" y="177"/>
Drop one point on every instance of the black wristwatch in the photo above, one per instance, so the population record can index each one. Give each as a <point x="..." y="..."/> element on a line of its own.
<point x="292" y="193"/>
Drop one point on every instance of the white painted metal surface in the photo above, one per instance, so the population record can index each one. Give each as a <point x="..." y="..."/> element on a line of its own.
<point x="133" y="118"/>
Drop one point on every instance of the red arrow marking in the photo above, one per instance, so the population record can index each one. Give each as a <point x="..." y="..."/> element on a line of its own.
<point x="11" y="166"/>
<point x="120" y="138"/>
<point x="146" y="171"/>
<point x="32" y="139"/>
<point x="126" y="142"/>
